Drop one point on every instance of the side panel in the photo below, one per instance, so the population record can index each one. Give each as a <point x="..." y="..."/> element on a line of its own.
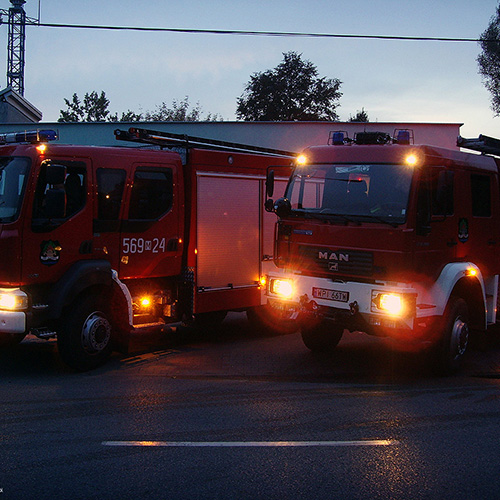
<point x="228" y="239"/>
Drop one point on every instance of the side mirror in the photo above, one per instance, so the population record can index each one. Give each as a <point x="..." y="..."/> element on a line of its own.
<point x="269" y="205"/>
<point x="282" y="207"/>
<point x="270" y="183"/>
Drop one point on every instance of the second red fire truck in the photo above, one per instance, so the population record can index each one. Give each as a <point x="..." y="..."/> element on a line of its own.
<point x="379" y="235"/>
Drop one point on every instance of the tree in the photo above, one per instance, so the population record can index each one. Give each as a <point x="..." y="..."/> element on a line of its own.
<point x="360" y="116"/>
<point x="489" y="60"/>
<point x="129" y="116"/>
<point x="179" y="112"/>
<point x="290" y="92"/>
<point x="94" y="108"/>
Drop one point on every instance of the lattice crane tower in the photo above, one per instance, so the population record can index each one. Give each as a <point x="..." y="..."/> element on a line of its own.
<point x="15" y="45"/>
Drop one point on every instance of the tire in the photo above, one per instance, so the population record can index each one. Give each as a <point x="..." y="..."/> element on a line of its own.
<point x="321" y="336"/>
<point x="85" y="334"/>
<point x="453" y="344"/>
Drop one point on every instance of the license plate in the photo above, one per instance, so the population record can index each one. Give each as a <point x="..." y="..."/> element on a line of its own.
<point x="336" y="295"/>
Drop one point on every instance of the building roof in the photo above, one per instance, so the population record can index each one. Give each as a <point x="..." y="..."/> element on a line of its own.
<point x="20" y="106"/>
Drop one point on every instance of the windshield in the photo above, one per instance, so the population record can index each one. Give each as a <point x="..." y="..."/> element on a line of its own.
<point x="379" y="192"/>
<point x="13" y="177"/>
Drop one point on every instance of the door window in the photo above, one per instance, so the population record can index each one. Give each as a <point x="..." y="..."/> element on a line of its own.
<point x="480" y="195"/>
<point x="69" y="191"/>
<point x="110" y="185"/>
<point x="152" y="194"/>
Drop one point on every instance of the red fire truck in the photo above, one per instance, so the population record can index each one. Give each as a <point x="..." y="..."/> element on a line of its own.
<point x="376" y="234"/>
<point x="103" y="243"/>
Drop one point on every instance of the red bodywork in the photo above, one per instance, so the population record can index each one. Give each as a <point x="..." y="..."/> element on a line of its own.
<point x="160" y="252"/>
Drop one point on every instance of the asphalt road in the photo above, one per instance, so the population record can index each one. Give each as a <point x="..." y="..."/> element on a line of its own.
<point x="243" y="415"/>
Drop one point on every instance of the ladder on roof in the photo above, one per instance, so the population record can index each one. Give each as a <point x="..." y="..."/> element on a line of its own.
<point x="483" y="144"/>
<point x="167" y="139"/>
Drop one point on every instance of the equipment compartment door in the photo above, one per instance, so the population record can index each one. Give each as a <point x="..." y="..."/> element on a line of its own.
<point x="228" y="234"/>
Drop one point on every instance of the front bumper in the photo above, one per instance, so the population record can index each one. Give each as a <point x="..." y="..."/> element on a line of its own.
<point x="385" y="309"/>
<point x="12" y="322"/>
<point x="13" y="310"/>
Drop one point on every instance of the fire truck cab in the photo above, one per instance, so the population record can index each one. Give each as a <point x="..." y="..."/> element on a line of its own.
<point x="379" y="235"/>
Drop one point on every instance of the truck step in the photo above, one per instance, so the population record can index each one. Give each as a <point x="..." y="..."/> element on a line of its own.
<point x="152" y="328"/>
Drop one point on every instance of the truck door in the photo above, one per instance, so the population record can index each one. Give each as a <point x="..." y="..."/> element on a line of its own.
<point x="60" y="230"/>
<point x="110" y="183"/>
<point x="479" y="231"/>
<point x="151" y="243"/>
<point x="437" y="234"/>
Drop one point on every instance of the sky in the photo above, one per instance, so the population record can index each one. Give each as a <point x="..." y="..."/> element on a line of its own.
<point x="400" y="81"/>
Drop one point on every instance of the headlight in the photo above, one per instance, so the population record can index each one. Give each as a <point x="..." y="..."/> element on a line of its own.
<point x="13" y="299"/>
<point x="394" y="304"/>
<point x="281" y="287"/>
<point x="391" y="303"/>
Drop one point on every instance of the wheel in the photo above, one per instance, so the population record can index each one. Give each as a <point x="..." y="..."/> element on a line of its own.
<point x="321" y="336"/>
<point x="85" y="334"/>
<point x="451" y="348"/>
<point x="272" y="320"/>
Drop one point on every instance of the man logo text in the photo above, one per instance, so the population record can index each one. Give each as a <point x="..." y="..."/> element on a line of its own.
<point x="340" y="257"/>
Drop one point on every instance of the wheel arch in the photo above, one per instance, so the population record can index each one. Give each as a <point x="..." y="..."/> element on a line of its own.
<point x="456" y="280"/>
<point x="80" y="277"/>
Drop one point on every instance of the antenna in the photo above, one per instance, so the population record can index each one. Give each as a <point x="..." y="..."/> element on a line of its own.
<point x="16" y="42"/>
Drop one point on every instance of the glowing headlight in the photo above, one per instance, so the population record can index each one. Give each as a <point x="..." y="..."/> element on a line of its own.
<point x="390" y="303"/>
<point x="280" y="287"/>
<point x="13" y="300"/>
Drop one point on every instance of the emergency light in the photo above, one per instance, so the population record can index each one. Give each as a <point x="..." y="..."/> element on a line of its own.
<point x="32" y="136"/>
<point x="403" y="136"/>
<point x="338" y="138"/>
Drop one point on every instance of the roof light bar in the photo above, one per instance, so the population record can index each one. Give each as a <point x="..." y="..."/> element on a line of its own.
<point x="372" y="138"/>
<point x="31" y="136"/>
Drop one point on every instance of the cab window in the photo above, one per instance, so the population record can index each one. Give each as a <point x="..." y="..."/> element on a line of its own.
<point x="69" y="189"/>
<point x="152" y="194"/>
<point x="480" y="195"/>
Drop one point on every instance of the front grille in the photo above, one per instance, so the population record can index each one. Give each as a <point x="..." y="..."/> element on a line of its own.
<point x="336" y="261"/>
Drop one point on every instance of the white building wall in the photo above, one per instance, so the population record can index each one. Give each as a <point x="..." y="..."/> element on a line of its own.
<point x="289" y="136"/>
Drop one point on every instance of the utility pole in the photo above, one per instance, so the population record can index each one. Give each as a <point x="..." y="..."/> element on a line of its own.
<point x="15" y="46"/>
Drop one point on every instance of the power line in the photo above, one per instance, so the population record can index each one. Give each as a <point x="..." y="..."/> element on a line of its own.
<point x="263" y="33"/>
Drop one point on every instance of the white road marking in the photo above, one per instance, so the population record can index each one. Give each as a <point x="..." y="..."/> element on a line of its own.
<point x="250" y="444"/>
